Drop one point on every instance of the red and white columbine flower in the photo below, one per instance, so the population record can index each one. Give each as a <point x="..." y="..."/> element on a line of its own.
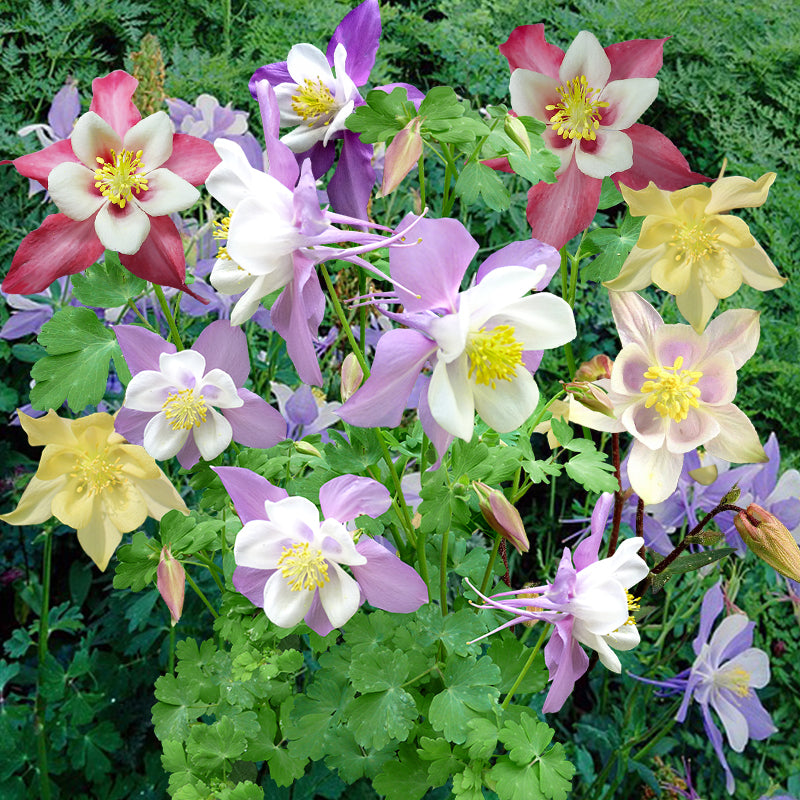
<point x="115" y="181"/>
<point x="672" y="390"/>
<point x="590" y="97"/>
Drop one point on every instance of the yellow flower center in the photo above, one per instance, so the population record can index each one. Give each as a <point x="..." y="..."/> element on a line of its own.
<point x="737" y="680"/>
<point x="693" y="242"/>
<point x="633" y="605"/>
<point x="313" y="100"/>
<point x="96" y="472"/>
<point x="121" y="177"/>
<point x="184" y="410"/>
<point x="221" y="233"/>
<point x="303" y="569"/>
<point x="577" y="115"/>
<point x="672" y="390"/>
<point x="494" y="356"/>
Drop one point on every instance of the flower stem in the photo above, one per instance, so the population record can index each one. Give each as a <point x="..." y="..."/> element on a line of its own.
<point x="528" y="665"/>
<point x="443" y="573"/>
<point x="162" y="301"/>
<point x="565" y="293"/>
<point x="40" y="705"/>
<point x="422" y="181"/>
<point x="490" y="565"/>
<point x="200" y="594"/>
<point x="618" y="501"/>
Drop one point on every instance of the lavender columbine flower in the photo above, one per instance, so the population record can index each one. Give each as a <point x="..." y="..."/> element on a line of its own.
<point x="304" y="411"/>
<point x="290" y="564"/>
<point x="171" y="402"/>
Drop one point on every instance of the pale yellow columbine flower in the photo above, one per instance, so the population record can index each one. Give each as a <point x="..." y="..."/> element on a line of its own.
<point x="690" y="247"/>
<point x="92" y="480"/>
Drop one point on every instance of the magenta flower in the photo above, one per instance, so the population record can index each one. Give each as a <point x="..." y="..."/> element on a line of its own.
<point x="171" y="404"/>
<point x="290" y="564"/>
<point x="587" y="603"/>
<point x="115" y="180"/>
<point x="672" y="389"/>
<point x="590" y="97"/>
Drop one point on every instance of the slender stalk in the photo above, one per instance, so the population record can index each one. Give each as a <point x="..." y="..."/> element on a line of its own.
<point x="640" y="518"/>
<point x="528" y="665"/>
<point x="362" y="312"/>
<point x="209" y="564"/>
<point x="490" y="566"/>
<point x="173" y="328"/>
<point x="337" y="307"/>
<point x="618" y="501"/>
<point x="171" y="663"/>
<point x="443" y="573"/>
<point x="198" y="591"/>
<point x="422" y="198"/>
<point x="40" y="704"/>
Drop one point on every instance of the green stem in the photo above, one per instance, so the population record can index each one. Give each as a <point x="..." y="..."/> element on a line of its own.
<point x="40" y="705"/>
<point x="209" y="564"/>
<point x="200" y="594"/>
<point x="171" y="665"/>
<point x="565" y="293"/>
<point x="443" y="573"/>
<point x="162" y="301"/>
<point x="528" y="665"/>
<point x="490" y="566"/>
<point x="422" y="198"/>
<point x="362" y="312"/>
<point x="337" y="307"/>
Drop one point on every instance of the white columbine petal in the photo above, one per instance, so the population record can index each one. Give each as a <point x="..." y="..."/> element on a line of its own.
<point x="450" y="398"/>
<point x="166" y="193"/>
<point x="611" y="152"/>
<point x="91" y="137"/>
<point x="585" y="56"/>
<point x="213" y="436"/>
<point x="506" y="407"/>
<point x="153" y="136"/>
<point x="71" y="188"/>
<point x="123" y="230"/>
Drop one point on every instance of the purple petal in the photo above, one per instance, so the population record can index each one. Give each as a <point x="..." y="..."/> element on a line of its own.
<point x="248" y="492"/>
<point x="713" y="603"/>
<point x="350" y="188"/>
<point x="250" y="581"/>
<point x="189" y="454"/>
<point x="141" y="348"/>
<point x="713" y="733"/>
<point x="131" y="424"/>
<point x="399" y="357"/>
<point x="566" y="661"/>
<point x="251" y="149"/>
<point x="767" y="476"/>
<point x="321" y="157"/>
<point x="739" y="643"/>
<point x="586" y="552"/>
<point x="759" y="722"/>
<point x="283" y="166"/>
<point x="224" y="347"/>
<point x="386" y="581"/>
<point x="348" y="496"/>
<point x="529" y="253"/>
<point x="21" y="323"/>
<point x="66" y="108"/>
<point x="301" y="407"/>
<point x="256" y="423"/>
<point x="360" y="33"/>
<point x="316" y="618"/>
<point x="273" y="74"/>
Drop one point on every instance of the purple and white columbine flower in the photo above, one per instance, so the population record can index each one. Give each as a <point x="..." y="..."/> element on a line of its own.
<point x="725" y="672"/>
<point x="587" y="603"/>
<point x="289" y="562"/>
<point x="483" y="344"/>
<point x="672" y="390"/>
<point x="171" y="403"/>
<point x="305" y="413"/>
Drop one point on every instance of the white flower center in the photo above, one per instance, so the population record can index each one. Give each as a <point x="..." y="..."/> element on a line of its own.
<point x="303" y="568"/>
<point x="96" y="472"/>
<point x="672" y="390"/>
<point x="737" y="680"/>
<point x="121" y="177"/>
<point x="577" y="115"/>
<point x="313" y="101"/>
<point x="184" y="410"/>
<point x="493" y="356"/>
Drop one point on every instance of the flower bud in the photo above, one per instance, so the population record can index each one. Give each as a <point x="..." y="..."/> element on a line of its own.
<point x="518" y="133"/>
<point x="307" y="449"/>
<point x="171" y="583"/>
<point x="770" y="540"/>
<point x="352" y="376"/>
<point x="501" y="516"/>
<point x="401" y="156"/>
<point x="594" y="369"/>
<point x="590" y="396"/>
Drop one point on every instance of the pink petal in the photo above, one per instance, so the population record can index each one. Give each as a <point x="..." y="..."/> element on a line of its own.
<point x="636" y="320"/>
<point x="559" y="211"/>
<point x="655" y="158"/>
<point x="736" y="331"/>
<point x="249" y="492"/>
<point x="386" y="581"/>
<point x="256" y="423"/>
<point x="630" y="365"/>
<point x="566" y="661"/>
<point x="527" y="49"/>
<point x="38" y="166"/>
<point x="141" y="348"/>
<point x="59" y="246"/>
<point x="679" y="341"/>
<point x="528" y="253"/>
<point x="348" y="496"/>
<point x="718" y="384"/>
<point x="191" y="158"/>
<point x="688" y="434"/>
<point x="112" y="100"/>
<point x="636" y="58"/>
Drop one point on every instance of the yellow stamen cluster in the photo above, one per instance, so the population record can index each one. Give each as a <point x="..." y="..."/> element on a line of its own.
<point x="302" y="568"/>
<point x="494" y="356"/>
<point x="96" y="472"/>
<point x="633" y="605"/>
<point x="577" y="115"/>
<point x="672" y="390"/>
<point x="119" y="178"/>
<point x="694" y="242"/>
<point x="737" y="680"/>
<point x="221" y="233"/>
<point x="313" y="100"/>
<point x="185" y="411"/>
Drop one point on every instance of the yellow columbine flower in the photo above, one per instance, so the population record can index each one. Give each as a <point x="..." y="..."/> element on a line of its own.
<point x="690" y="247"/>
<point x="92" y="480"/>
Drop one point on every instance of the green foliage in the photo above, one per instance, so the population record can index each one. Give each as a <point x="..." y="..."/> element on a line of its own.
<point x="107" y="285"/>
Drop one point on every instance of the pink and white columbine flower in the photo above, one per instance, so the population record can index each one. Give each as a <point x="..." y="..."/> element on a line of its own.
<point x="171" y="402"/>
<point x="590" y="97"/>
<point x="588" y="603"/>
<point x="672" y="389"/>
<point x="290" y="564"/>
<point x="115" y="181"/>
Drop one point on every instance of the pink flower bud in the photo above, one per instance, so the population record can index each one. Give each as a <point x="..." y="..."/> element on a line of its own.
<point x="171" y="583"/>
<point x="770" y="540"/>
<point x="598" y="367"/>
<point x="501" y="516"/>
<point x="352" y="376"/>
<point x="401" y="156"/>
<point x="591" y="396"/>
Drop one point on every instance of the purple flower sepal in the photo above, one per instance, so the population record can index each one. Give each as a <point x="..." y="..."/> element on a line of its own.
<point x="304" y="413"/>
<point x="289" y="563"/>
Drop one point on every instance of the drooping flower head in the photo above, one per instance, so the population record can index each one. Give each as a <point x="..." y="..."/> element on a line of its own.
<point x="483" y="343"/>
<point x="587" y="603"/>
<point x="192" y="403"/>
<point x="115" y="181"/>
<point x="289" y="562"/>
<point x="92" y="480"/>
<point x="590" y="97"/>
<point x="690" y="247"/>
<point x="672" y="390"/>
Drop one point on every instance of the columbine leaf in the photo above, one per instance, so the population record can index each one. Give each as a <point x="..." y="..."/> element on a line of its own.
<point x="187" y="535"/>
<point x="178" y="706"/>
<point x="510" y="654"/>
<point x="478" y="180"/>
<point x="609" y="195"/>
<point x="592" y="470"/>
<point x="137" y="563"/>
<point x="378" y="718"/>
<point x="382" y="116"/>
<point x="107" y="285"/>
<point x="212" y="747"/>
<point x="443" y="762"/>
<point x="613" y="247"/>
<point x="378" y="670"/>
<point x="405" y="779"/>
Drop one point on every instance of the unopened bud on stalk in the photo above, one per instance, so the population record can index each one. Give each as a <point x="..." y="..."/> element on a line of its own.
<point x="501" y="516"/>
<point x="171" y="583"/>
<point x="591" y="396"/>
<point x="401" y="156"/>
<point x="594" y="369"/>
<point x="352" y="376"/>
<point x="307" y="449"/>
<point x="518" y="133"/>
<point x="770" y="540"/>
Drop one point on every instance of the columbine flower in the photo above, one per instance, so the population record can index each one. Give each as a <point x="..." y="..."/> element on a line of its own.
<point x="691" y="248"/>
<point x="723" y="676"/>
<point x="590" y="97"/>
<point x="305" y="410"/>
<point x="171" y="402"/>
<point x="587" y="603"/>
<point x="484" y="343"/>
<point x="290" y="564"/>
<point x="115" y="180"/>
<point x="92" y="480"/>
<point x="671" y="389"/>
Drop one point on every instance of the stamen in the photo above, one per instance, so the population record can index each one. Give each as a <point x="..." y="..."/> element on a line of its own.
<point x="313" y="101"/>
<point x="121" y="177"/>
<point x="494" y="356"/>
<point x="96" y="473"/>
<point x="303" y="569"/>
<point x="672" y="390"/>
<point x="221" y="233"/>
<point x="736" y="679"/>
<point x="577" y="115"/>
<point x="184" y="410"/>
